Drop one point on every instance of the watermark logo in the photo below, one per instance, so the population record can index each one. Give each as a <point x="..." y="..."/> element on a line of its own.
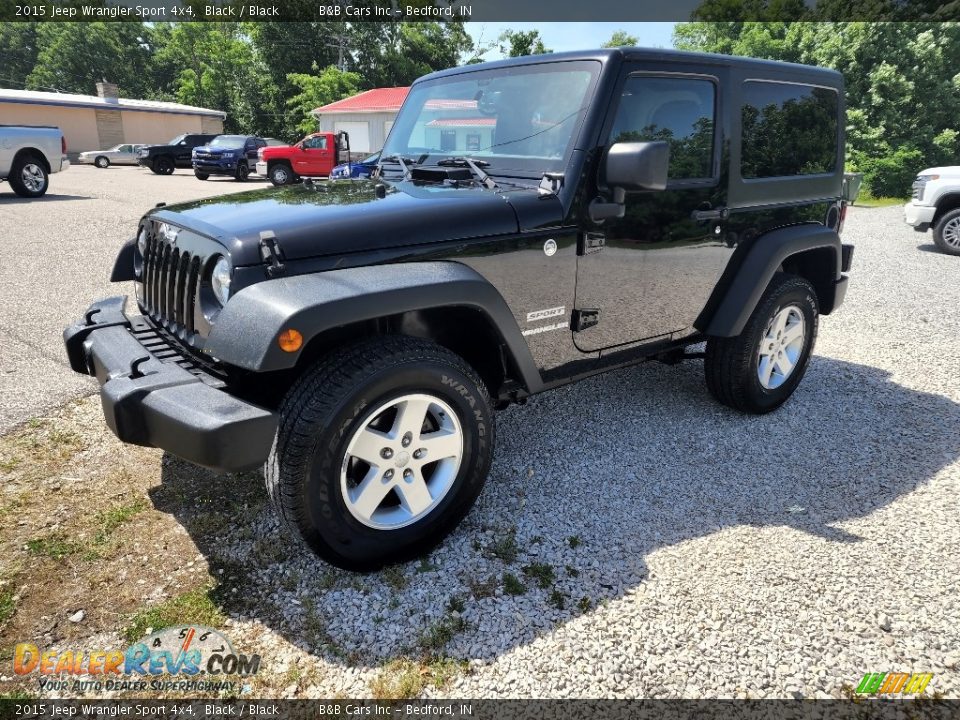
<point x="894" y="683"/>
<point x="202" y="657"/>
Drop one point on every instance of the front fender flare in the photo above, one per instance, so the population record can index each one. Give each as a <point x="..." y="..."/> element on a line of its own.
<point x="246" y="330"/>
<point x="765" y="254"/>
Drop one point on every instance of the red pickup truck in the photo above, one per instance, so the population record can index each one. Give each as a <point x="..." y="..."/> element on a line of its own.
<point x="314" y="156"/>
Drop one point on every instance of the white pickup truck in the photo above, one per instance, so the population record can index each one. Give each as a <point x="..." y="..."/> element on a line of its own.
<point x="28" y="155"/>
<point x="936" y="204"/>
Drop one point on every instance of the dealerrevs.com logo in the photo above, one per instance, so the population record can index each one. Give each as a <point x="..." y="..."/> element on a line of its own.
<point x="202" y="657"/>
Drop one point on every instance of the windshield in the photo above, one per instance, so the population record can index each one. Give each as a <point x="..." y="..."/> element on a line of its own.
<point x="370" y="160"/>
<point x="176" y="140"/>
<point x="523" y="119"/>
<point x="229" y="141"/>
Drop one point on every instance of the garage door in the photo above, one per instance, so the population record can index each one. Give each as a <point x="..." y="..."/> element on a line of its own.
<point x="359" y="134"/>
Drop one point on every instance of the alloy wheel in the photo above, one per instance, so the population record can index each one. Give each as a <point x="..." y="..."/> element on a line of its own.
<point x="781" y="346"/>
<point x="401" y="461"/>
<point x="33" y="177"/>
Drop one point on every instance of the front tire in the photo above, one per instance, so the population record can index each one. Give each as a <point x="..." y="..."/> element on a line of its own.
<point x="102" y="162"/>
<point x="29" y="177"/>
<point x="242" y="173"/>
<point x="758" y="370"/>
<point x="281" y="174"/>
<point x="382" y="449"/>
<point x="946" y="233"/>
<point x="163" y="166"/>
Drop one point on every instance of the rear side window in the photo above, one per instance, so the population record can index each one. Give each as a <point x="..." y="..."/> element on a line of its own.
<point x="677" y="110"/>
<point x="788" y="129"/>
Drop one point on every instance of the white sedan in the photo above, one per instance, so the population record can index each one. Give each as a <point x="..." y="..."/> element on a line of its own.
<point x="125" y="154"/>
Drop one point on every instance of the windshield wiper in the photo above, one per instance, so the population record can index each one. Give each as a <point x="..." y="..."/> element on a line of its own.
<point x="403" y="162"/>
<point x="476" y="166"/>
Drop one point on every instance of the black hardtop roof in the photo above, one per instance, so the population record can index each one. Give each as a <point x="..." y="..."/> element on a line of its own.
<point x="824" y="75"/>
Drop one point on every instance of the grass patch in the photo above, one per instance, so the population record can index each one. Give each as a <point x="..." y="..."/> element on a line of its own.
<point x="394" y="577"/>
<point x="403" y="678"/>
<point x="441" y="633"/>
<point x="574" y="542"/>
<point x="512" y="585"/>
<point x="584" y="604"/>
<point x="55" y="545"/>
<point x="456" y="604"/>
<point x="558" y="600"/>
<point x="110" y="520"/>
<point x="8" y="605"/>
<point x="572" y="571"/>
<point x="541" y="573"/>
<point x="867" y="200"/>
<point x="195" y="607"/>
<point x="505" y="547"/>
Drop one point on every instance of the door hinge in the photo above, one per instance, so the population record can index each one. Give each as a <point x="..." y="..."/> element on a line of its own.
<point x="270" y="252"/>
<point x="585" y="318"/>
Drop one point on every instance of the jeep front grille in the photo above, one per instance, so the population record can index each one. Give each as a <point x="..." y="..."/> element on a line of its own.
<point x="173" y="283"/>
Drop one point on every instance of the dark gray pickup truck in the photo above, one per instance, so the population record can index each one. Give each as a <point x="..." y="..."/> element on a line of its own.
<point x="531" y="222"/>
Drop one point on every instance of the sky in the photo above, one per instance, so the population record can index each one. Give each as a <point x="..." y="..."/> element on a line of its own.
<point x="560" y="36"/>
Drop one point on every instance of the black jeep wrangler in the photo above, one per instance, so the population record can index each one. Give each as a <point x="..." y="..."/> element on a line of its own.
<point x="532" y="221"/>
<point x="164" y="159"/>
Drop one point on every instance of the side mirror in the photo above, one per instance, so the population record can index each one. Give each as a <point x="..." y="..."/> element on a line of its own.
<point x="631" y="166"/>
<point x="637" y="165"/>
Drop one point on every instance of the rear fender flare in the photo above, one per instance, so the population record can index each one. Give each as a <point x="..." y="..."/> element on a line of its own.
<point x="738" y="298"/>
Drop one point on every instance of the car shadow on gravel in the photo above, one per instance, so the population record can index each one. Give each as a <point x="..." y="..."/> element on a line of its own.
<point x="588" y="481"/>
<point x="11" y="198"/>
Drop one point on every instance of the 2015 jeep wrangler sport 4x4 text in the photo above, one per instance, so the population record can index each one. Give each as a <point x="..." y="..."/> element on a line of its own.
<point x="531" y="222"/>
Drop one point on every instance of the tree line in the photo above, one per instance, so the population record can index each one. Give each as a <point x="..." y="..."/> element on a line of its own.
<point x="902" y="85"/>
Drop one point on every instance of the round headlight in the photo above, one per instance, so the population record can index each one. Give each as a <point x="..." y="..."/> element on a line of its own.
<point x="220" y="280"/>
<point x="142" y="242"/>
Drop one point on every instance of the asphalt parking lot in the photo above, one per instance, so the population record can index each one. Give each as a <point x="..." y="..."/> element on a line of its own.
<point x="679" y="550"/>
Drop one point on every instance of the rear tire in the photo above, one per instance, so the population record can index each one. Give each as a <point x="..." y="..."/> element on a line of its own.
<point x="242" y="173"/>
<point x="29" y="177"/>
<point x="102" y="162"/>
<point x="200" y="175"/>
<point x="946" y="233"/>
<point x="758" y="370"/>
<point x="432" y="416"/>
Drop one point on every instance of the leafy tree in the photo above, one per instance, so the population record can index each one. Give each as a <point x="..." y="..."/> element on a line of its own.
<point x="73" y="57"/>
<point x="18" y="52"/>
<point x="902" y="84"/>
<point x="315" y="90"/>
<point x="516" y="43"/>
<point x="621" y="38"/>
<point x="396" y="54"/>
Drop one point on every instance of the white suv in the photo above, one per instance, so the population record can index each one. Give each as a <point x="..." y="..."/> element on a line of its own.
<point x="936" y="204"/>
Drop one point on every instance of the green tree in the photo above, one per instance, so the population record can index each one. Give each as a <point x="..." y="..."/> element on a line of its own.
<point x="320" y="89"/>
<point x="902" y="84"/>
<point x="73" y="57"/>
<point x="516" y="43"/>
<point x="18" y="53"/>
<point x="621" y="38"/>
<point x="396" y="54"/>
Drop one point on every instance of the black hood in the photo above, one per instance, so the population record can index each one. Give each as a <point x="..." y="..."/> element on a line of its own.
<point x="340" y="217"/>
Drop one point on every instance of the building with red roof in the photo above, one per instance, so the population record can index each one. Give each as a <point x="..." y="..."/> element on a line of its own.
<point x="453" y="124"/>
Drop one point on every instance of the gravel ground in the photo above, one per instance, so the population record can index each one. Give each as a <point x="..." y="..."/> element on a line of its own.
<point x="637" y="540"/>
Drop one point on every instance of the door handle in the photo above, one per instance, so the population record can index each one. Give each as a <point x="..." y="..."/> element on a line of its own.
<point x="714" y="214"/>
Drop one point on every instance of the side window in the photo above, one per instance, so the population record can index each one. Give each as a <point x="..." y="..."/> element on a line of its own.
<point x="787" y="130"/>
<point x="678" y="110"/>
<point x="316" y="143"/>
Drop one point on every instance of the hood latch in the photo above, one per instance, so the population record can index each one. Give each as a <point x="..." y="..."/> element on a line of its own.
<point x="270" y="252"/>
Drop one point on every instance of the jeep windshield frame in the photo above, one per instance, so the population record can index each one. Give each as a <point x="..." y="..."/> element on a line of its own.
<point x="524" y="120"/>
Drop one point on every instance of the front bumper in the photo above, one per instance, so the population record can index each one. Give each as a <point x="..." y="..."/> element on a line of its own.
<point x="919" y="216"/>
<point x="261" y="168"/>
<point x="216" y="167"/>
<point x="154" y="403"/>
